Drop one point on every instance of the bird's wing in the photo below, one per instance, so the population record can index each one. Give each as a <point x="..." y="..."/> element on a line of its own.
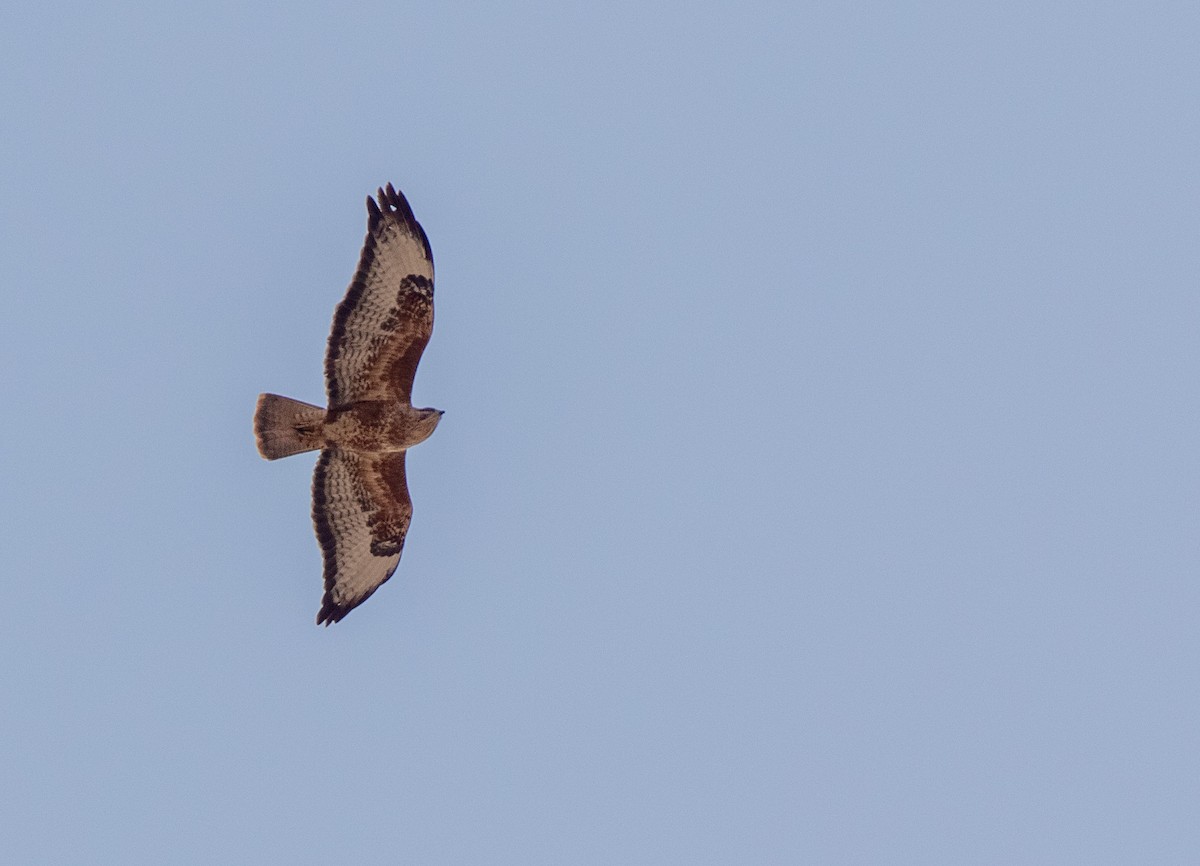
<point x="382" y="325"/>
<point x="361" y="511"/>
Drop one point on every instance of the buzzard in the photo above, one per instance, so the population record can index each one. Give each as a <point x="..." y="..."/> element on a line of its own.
<point x="361" y="507"/>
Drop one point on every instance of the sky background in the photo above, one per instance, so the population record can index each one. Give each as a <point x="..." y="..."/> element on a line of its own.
<point x="819" y="479"/>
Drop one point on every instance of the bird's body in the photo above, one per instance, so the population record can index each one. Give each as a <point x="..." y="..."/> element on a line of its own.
<point x="378" y="427"/>
<point x="361" y="504"/>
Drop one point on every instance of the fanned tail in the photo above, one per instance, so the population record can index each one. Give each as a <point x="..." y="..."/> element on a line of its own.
<point x="283" y="426"/>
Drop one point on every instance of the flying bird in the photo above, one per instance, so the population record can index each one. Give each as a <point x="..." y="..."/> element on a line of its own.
<point x="361" y="507"/>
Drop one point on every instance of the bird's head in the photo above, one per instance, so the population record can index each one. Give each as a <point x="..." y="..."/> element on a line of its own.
<point x="427" y="421"/>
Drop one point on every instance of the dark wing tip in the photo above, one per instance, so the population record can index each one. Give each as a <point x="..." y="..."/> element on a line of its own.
<point x="331" y="613"/>
<point x="390" y="201"/>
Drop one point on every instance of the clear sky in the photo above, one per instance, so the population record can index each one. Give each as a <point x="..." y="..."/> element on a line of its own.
<point x="819" y="481"/>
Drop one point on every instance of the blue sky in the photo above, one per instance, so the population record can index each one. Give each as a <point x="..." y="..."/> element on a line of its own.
<point x="819" y="477"/>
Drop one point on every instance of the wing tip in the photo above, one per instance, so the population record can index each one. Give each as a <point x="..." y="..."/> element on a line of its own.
<point x="389" y="201"/>
<point x="331" y="613"/>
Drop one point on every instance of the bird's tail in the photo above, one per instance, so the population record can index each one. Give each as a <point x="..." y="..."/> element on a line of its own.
<point x="283" y="426"/>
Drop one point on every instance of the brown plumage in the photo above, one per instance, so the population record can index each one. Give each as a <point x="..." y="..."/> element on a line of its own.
<point x="361" y="505"/>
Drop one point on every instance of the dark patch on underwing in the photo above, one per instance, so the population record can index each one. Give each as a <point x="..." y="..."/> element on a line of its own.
<point x="387" y="547"/>
<point x="418" y="283"/>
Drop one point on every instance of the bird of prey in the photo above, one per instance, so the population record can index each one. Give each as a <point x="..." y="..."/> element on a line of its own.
<point x="361" y="507"/>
